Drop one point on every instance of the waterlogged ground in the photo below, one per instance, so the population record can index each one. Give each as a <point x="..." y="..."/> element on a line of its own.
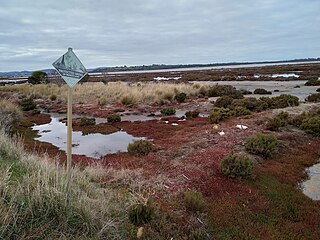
<point x="311" y="187"/>
<point x="91" y="145"/>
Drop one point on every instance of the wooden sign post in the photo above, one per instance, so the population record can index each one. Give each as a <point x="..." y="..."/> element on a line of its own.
<point x="72" y="71"/>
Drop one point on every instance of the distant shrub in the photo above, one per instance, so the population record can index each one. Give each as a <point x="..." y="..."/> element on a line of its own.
<point x="312" y="83"/>
<point x="192" y="114"/>
<point x="194" y="201"/>
<point x="27" y="104"/>
<point x="245" y="92"/>
<point x="262" y="144"/>
<point x="311" y="125"/>
<point x="235" y="166"/>
<point x="141" y="147"/>
<point x="261" y="105"/>
<point x="203" y="90"/>
<point x="10" y="113"/>
<point x="219" y="114"/>
<point x="168" y="111"/>
<point x="38" y="77"/>
<point x="128" y="101"/>
<point x="240" y="111"/>
<point x="318" y="90"/>
<point x="87" y="121"/>
<point x="261" y="91"/>
<point x="223" y="101"/>
<point x="315" y="97"/>
<point x="53" y="97"/>
<point x="141" y="214"/>
<point x="248" y="103"/>
<point x="181" y="97"/>
<point x="114" y="118"/>
<point x="297" y="119"/>
<point x="224" y="90"/>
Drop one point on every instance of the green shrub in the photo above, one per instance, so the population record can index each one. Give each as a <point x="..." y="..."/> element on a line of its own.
<point x="168" y="111"/>
<point x="87" y="121"/>
<point x="140" y="147"/>
<point x="261" y="105"/>
<point x="313" y="97"/>
<point x="240" y="111"/>
<point x="262" y="144"/>
<point x="220" y="114"/>
<point x="235" y="166"/>
<point x="141" y="214"/>
<point x="53" y="97"/>
<point x="181" y="97"/>
<point x="311" y="125"/>
<point x="262" y="91"/>
<point x="312" y="83"/>
<point x="224" y="90"/>
<point x="192" y="114"/>
<point x="114" y="118"/>
<point x="298" y="119"/>
<point x="249" y="103"/>
<point x="318" y="90"/>
<point x="224" y="101"/>
<point x="27" y="104"/>
<point x="283" y="101"/>
<point x="194" y="201"/>
<point x="38" y="77"/>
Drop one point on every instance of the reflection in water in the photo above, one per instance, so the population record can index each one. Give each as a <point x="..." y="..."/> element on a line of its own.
<point x="91" y="145"/>
<point x="311" y="187"/>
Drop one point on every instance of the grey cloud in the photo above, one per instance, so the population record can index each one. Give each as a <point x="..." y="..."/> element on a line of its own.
<point x="108" y="33"/>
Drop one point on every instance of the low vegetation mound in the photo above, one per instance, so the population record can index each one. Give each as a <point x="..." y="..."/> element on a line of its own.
<point x="278" y="121"/>
<point x="236" y="166"/>
<point x="141" y="147"/>
<point x="114" y="118"/>
<point x="220" y="114"/>
<point x="262" y="91"/>
<point x="192" y="114"/>
<point x="87" y="121"/>
<point x="180" y="97"/>
<point x="312" y="83"/>
<point x="27" y="104"/>
<point x="311" y="125"/>
<point x="168" y="111"/>
<point x="140" y="214"/>
<point x="264" y="145"/>
<point x="224" y="90"/>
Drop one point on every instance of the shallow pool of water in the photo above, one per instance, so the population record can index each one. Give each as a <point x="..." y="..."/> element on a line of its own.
<point x="91" y="145"/>
<point x="311" y="187"/>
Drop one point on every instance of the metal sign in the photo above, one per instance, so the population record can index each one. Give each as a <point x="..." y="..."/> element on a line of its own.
<point x="70" y="68"/>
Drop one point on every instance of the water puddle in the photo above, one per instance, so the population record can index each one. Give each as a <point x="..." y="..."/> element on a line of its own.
<point x="91" y="145"/>
<point x="311" y="187"/>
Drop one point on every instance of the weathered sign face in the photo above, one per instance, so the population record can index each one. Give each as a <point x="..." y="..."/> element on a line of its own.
<point x="70" y="68"/>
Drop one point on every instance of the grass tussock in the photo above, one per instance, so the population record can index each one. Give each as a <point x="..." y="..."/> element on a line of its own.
<point x="10" y="113"/>
<point x="113" y="92"/>
<point x="33" y="203"/>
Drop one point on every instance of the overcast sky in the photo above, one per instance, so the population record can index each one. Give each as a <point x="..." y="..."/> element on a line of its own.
<point x="34" y="33"/>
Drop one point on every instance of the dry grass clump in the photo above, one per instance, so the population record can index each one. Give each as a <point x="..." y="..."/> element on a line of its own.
<point x="33" y="203"/>
<point x="113" y="92"/>
<point x="10" y="113"/>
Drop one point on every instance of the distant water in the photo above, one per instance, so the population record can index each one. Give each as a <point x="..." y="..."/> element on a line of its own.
<point x="311" y="187"/>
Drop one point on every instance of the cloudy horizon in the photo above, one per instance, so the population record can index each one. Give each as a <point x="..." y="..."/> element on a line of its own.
<point x="104" y="33"/>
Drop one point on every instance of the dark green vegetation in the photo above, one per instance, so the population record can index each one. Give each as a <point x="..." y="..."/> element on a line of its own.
<point x="168" y="111"/>
<point x="114" y="118"/>
<point x="312" y="83"/>
<point x="236" y="166"/>
<point x="87" y="121"/>
<point x="27" y="104"/>
<point x="311" y="125"/>
<point x="192" y="114"/>
<point x="224" y="90"/>
<point x="264" y="145"/>
<point x="278" y="121"/>
<point x="180" y="97"/>
<point x="38" y="77"/>
<point x="141" y="147"/>
<point x="262" y="91"/>
<point x="220" y="114"/>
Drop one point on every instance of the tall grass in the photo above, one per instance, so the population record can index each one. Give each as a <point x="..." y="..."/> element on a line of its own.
<point x="10" y="113"/>
<point x="33" y="203"/>
<point x="113" y="92"/>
